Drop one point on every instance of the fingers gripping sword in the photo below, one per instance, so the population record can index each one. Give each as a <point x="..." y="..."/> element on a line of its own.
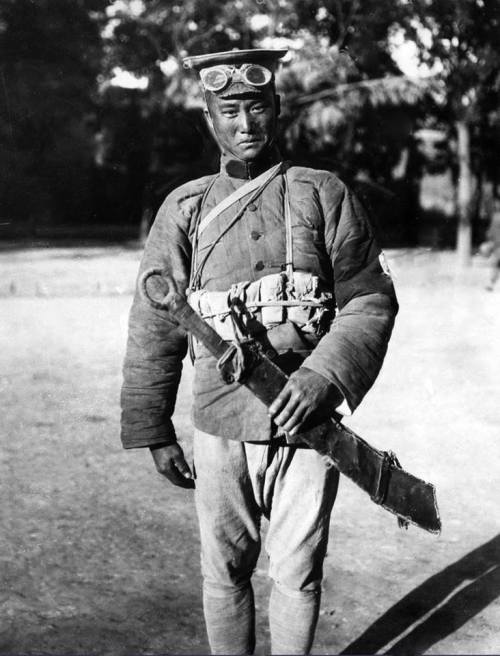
<point x="376" y="472"/>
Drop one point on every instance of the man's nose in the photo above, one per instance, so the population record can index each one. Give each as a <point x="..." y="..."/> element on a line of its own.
<point x="245" y="122"/>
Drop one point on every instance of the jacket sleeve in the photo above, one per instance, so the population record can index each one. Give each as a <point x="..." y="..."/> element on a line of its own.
<point x="351" y="354"/>
<point x="156" y="345"/>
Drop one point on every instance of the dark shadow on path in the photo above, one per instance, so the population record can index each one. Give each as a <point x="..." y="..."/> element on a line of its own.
<point x="453" y="596"/>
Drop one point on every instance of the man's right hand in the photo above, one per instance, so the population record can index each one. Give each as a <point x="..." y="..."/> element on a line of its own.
<point x="170" y="462"/>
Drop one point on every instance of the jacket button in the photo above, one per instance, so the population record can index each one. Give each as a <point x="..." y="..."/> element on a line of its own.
<point x="260" y="265"/>
<point x="255" y="235"/>
<point x="252" y="207"/>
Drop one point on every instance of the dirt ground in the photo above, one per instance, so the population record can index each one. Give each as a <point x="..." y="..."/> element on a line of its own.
<point x="99" y="555"/>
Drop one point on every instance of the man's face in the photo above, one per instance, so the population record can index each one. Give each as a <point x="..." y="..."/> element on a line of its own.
<point x="245" y="124"/>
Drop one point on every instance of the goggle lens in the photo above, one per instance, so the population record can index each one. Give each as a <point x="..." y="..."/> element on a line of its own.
<point x="218" y="77"/>
<point x="214" y="79"/>
<point x="256" y="75"/>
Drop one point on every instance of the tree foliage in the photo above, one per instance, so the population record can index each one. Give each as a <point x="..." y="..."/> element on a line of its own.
<point x="51" y="55"/>
<point x="461" y="36"/>
<point x="66" y="129"/>
<point x="335" y="45"/>
<point x="460" y="39"/>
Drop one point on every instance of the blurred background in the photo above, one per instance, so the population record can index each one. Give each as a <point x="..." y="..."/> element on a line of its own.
<point x="99" y="120"/>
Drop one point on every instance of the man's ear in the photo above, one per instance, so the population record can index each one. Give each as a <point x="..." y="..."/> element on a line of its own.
<point x="277" y="100"/>
<point x="208" y="118"/>
<point x="210" y="123"/>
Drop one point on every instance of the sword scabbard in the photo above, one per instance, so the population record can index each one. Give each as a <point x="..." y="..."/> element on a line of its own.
<point x="376" y="472"/>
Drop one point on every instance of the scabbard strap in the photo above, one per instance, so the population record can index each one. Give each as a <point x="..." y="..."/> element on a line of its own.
<point x="232" y="365"/>
<point x="379" y="494"/>
<point x="390" y="462"/>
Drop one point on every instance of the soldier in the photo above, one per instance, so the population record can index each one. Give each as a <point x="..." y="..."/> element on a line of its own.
<point x="297" y="246"/>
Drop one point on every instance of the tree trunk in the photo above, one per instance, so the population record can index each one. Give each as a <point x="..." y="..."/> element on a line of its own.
<point x="464" y="195"/>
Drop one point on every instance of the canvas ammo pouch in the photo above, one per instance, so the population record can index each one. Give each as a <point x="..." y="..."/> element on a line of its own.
<point x="273" y="300"/>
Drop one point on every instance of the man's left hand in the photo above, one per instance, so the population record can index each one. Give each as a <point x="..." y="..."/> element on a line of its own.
<point x="305" y="392"/>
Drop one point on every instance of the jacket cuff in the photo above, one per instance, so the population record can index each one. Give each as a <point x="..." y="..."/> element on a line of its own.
<point x="134" y="437"/>
<point x="344" y="409"/>
<point x="342" y="405"/>
<point x="317" y="364"/>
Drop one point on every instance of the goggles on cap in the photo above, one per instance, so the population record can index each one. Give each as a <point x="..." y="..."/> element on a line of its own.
<point x="217" y="78"/>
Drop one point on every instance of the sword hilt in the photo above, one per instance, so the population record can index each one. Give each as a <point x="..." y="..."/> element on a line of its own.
<point x="171" y="301"/>
<point x="177" y="306"/>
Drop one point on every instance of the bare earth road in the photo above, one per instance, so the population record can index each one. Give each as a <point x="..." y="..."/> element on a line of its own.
<point x="99" y="555"/>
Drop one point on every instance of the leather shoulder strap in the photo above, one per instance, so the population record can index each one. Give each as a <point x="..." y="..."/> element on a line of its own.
<point x="264" y="179"/>
<point x="236" y="195"/>
<point x="288" y="230"/>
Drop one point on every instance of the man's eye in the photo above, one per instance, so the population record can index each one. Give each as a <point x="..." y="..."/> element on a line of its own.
<point x="229" y="112"/>
<point x="258" y="109"/>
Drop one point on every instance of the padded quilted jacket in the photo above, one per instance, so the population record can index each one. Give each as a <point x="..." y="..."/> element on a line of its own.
<point x="332" y="238"/>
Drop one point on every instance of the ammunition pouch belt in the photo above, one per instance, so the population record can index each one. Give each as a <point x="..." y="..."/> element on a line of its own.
<point x="271" y="301"/>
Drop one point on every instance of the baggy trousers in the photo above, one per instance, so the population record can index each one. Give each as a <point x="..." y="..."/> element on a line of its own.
<point x="237" y="483"/>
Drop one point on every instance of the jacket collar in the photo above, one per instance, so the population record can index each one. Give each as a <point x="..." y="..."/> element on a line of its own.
<point x="237" y="168"/>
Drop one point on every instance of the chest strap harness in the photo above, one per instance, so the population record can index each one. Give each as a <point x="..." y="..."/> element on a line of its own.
<point x="290" y="295"/>
<point x="253" y="189"/>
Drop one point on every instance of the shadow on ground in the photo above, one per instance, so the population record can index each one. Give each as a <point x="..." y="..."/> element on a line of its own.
<point x="444" y="603"/>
